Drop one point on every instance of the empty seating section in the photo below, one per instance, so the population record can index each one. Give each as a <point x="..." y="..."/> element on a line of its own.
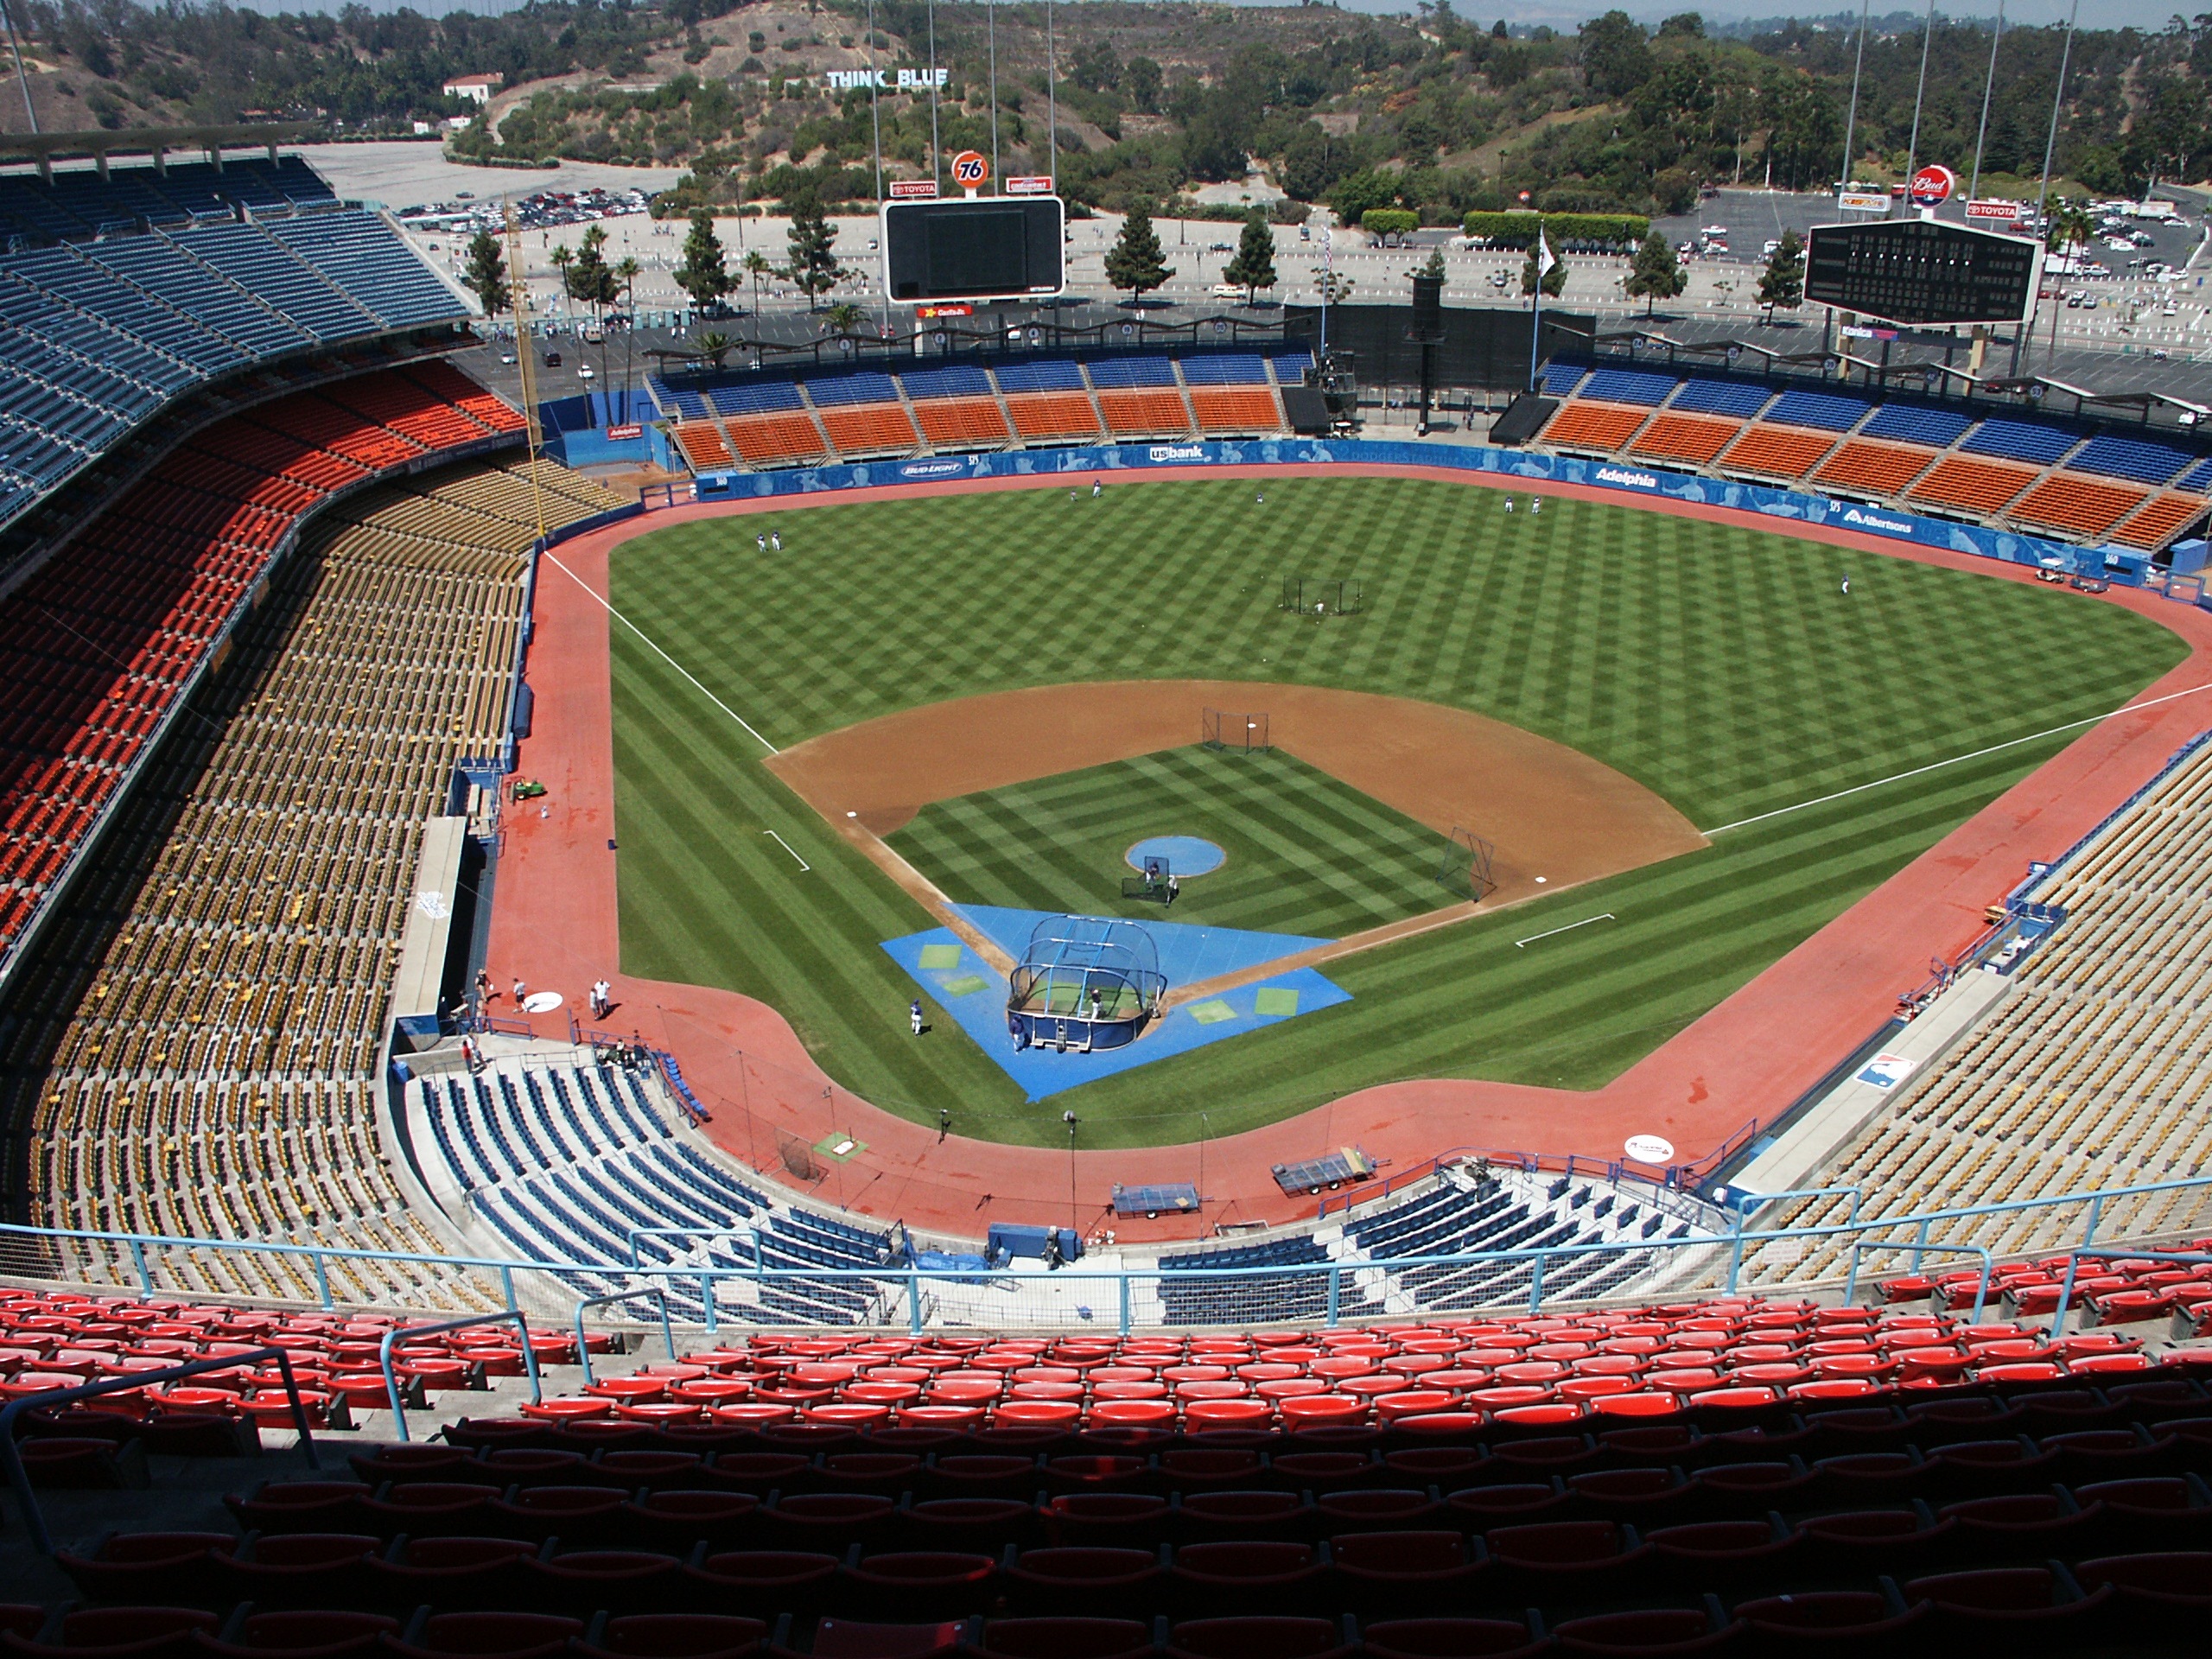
<point x="2160" y="520"/>
<point x="2198" y="478"/>
<point x="77" y="202"/>
<point x="867" y="428"/>
<point x="245" y="255"/>
<point x="1128" y="372"/>
<point x="1592" y="426"/>
<point x="1053" y="415"/>
<point x="1880" y="468"/>
<point x="1820" y="409"/>
<point x="1042" y="374"/>
<point x="859" y="386"/>
<point x="1290" y="367"/>
<point x="1141" y="414"/>
<point x="2078" y="506"/>
<point x="2129" y="458"/>
<point x="558" y="1157"/>
<point x="373" y="266"/>
<point x="1979" y="486"/>
<point x="1936" y="429"/>
<point x="1239" y="370"/>
<point x="1685" y="438"/>
<point x="1628" y="386"/>
<point x="144" y="591"/>
<point x="1237" y="408"/>
<point x="197" y="1053"/>
<point x="702" y="446"/>
<point x="771" y="439"/>
<point x="2090" y="1074"/>
<point x="2019" y="441"/>
<point x="954" y="380"/>
<point x="443" y="380"/>
<point x="1562" y="378"/>
<point x="1777" y="452"/>
<point x="1742" y="399"/>
<point x="757" y="397"/>
<point x="961" y="422"/>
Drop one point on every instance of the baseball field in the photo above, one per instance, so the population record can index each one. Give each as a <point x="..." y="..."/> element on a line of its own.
<point x="1714" y="674"/>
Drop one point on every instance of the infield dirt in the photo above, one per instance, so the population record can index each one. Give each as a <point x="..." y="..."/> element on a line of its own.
<point x="1551" y="811"/>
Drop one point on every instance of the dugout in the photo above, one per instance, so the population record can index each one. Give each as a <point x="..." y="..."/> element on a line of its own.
<point x="1484" y="348"/>
<point x="1085" y="982"/>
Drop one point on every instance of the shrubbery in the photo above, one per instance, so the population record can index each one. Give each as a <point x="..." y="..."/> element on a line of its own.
<point x="1622" y="231"/>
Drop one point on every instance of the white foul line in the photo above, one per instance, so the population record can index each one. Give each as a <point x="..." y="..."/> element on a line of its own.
<point x="788" y="847"/>
<point x="663" y="655"/>
<point x="1937" y="766"/>
<point x="1605" y="916"/>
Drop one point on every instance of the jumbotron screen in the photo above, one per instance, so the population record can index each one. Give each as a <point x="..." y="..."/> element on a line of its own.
<point x="1920" y="271"/>
<point x="990" y="248"/>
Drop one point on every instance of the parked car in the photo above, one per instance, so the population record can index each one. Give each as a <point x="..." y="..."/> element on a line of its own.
<point x="552" y="360"/>
<point x="2088" y="585"/>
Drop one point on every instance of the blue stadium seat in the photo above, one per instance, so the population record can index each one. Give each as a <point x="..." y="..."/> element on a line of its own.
<point x="364" y="257"/>
<point x="2029" y="441"/>
<point x="1042" y="374"/>
<point x="1120" y="372"/>
<point x="246" y="255"/>
<point x="753" y="397"/>
<point x="1225" y="370"/>
<point x="1822" y="410"/>
<point x="2129" y="458"/>
<point x="1741" y="398"/>
<point x="1630" y="386"/>
<point x="954" y="380"/>
<point x="2198" y="478"/>
<point x="1562" y="378"/>
<point x="1939" y="428"/>
<point x="1290" y="367"/>
<point x="859" y="386"/>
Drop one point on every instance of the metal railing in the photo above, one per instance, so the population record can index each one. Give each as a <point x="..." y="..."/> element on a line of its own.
<point x="706" y="1294"/>
<point x="411" y="1332"/>
<point x="34" y="1519"/>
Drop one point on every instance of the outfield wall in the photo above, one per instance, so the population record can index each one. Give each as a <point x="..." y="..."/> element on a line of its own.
<point x="2124" y="565"/>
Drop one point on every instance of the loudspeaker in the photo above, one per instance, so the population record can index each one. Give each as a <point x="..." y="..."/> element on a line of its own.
<point x="1428" y="311"/>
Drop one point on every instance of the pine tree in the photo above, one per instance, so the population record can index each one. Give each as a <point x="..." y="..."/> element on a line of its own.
<point x="814" y="270"/>
<point x="1255" y="264"/>
<point x="1554" y="279"/>
<point x="1655" y="274"/>
<point x="487" y="273"/>
<point x="1782" y="283"/>
<point x="1136" y="261"/>
<point x="703" y="274"/>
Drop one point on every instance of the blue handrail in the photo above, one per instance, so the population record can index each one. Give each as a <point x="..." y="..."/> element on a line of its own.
<point x="34" y="1519"/>
<point x="583" y="1348"/>
<point x="410" y="1331"/>
<point x="2105" y="1252"/>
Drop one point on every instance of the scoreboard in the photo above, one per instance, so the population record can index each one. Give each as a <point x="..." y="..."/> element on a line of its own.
<point x="981" y="248"/>
<point x="1922" y="271"/>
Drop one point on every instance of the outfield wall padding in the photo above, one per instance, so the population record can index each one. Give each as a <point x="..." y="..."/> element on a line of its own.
<point x="2115" y="564"/>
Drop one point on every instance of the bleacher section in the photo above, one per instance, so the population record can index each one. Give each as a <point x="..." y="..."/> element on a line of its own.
<point x="1777" y="452"/>
<point x="2090" y="1073"/>
<point x="1876" y="468"/>
<point x="76" y="204"/>
<point x="94" y="338"/>
<point x="1683" y="437"/>
<point x="195" y="1051"/>
<point x="776" y="420"/>
<point x="1979" y="486"/>
<point x="2077" y="506"/>
<point x="569" y="1160"/>
<point x="98" y="642"/>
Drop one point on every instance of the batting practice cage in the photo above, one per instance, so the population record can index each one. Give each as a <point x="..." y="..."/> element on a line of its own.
<point x="1321" y="596"/>
<point x="1227" y="730"/>
<point x="1085" y="982"/>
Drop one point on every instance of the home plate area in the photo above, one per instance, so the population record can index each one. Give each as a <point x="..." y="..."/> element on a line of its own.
<point x="973" y="993"/>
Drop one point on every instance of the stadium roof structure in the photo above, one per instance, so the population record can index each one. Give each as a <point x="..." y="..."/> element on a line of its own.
<point x="99" y="144"/>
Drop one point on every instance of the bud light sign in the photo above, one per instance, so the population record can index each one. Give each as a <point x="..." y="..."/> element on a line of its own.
<point x="1933" y="186"/>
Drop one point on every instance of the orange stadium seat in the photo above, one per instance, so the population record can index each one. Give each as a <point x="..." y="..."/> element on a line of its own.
<point x="1053" y="415"/>
<point x="1976" y="486"/>
<point x="1139" y="412"/>
<point x="860" y="428"/>
<point x="954" y="423"/>
<point x="702" y="446"/>
<point x="1237" y="408"/>
<point x="1883" y="468"/>
<point x="2081" y="505"/>
<point x="2155" y="523"/>
<point x="1777" y="452"/>
<point x="1685" y="438"/>
<point x="457" y="389"/>
<point x="1593" y="426"/>
<point x="772" y="438"/>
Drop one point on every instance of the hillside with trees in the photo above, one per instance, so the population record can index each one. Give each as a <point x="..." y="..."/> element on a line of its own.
<point x="1429" y="113"/>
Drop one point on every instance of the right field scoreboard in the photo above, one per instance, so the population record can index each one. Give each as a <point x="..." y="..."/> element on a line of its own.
<point x="1923" y="272"/>
<point x="980" y="249"/>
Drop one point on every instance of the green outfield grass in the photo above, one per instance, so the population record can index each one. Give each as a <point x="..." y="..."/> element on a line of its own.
<point x="1307" y="854"/>
<point x="1718" y="665"/>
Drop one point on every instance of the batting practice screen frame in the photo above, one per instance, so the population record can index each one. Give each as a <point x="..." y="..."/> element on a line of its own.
<point x="990" y="248"/>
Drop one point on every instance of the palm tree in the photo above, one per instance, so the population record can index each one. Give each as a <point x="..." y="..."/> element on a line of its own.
<point x="844" y="318"/>
<point x="625" y="273"/>
<point x="563" y="256"/>
<point x="756" y="267"/>
<point x="715" y="347"/>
